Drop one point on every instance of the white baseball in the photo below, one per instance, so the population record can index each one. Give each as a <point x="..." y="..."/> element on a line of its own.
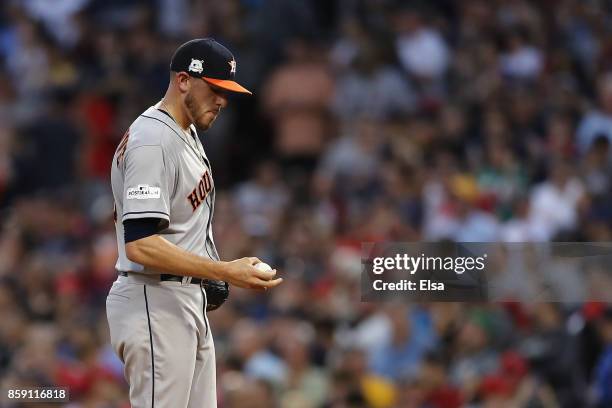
<point x="262" y="266"/>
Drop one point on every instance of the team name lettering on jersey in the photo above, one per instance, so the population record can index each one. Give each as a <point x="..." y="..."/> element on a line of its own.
<point x="122" y="146"/>
<point x="199" y="193"/>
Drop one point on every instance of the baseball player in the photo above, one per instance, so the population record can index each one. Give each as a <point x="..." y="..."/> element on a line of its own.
<point x="170" y="273"/>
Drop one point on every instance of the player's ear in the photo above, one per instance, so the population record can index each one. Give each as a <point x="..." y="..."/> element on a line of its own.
<point x="182" y="81"/>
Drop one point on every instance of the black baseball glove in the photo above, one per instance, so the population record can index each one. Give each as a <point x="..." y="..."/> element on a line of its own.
<point x="217" y="293"/>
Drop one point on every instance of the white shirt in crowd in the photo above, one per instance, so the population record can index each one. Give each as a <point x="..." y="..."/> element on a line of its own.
<point x="553" y="209"/>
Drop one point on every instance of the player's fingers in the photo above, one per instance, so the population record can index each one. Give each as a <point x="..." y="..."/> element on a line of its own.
<point x="254" y="260"/>
<point x="265" y="275"/>
<point x="273" y="283"/>
<point x="265" y="284"/>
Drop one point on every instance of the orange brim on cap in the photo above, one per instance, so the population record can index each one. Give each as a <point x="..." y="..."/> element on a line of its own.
<point x="228" y="85"/>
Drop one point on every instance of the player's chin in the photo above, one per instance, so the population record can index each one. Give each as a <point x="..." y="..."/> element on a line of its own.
<point x="204" y="124"/>
<point x="205" y="121"/>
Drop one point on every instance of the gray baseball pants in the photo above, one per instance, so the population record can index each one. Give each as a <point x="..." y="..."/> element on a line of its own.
<point x="161" y="333"/>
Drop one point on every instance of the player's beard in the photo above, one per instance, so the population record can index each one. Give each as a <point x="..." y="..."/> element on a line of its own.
<point x="198" y="118"/>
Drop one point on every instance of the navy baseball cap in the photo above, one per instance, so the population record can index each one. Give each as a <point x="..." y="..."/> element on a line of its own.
<point x="207" y="59"/>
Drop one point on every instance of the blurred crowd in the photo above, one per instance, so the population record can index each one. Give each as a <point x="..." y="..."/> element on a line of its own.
<point x="371" y="121"/>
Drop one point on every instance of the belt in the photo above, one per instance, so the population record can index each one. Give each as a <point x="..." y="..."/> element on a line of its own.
<point x="169" y="277"/>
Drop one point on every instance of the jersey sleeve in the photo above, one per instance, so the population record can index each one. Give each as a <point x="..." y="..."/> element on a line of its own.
<point x="148" y="184"/>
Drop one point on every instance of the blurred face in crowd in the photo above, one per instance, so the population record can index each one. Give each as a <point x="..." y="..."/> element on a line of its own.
<point x="294" y="350"/>
<point x="400" y="323"/>
<point x="605" y="93"/>
<point x="547" y="316"/>
<point x="523" y="107"/>
<point x="472" y="338"/>
<point x="202" y="101"/>
<point x="408" y="21"/>
<point x="499" y="154"/>
<point x="246" y="392"/>
<point x="368" y="132"/>
<point x="355" y="362"/>
<point x="495" y="124"/>
<point x="267" y="174"/>
<point x="600" y="151"/>
<point x="453" y="122"/>
<point x="560" y="134"/>
<point x="560" y="173"/>
<point x="497" y="401"/>
<point x="246" y="340"/>
<point x="413" y="394"/>
<point x="433" y="375"/>
<point x="515" y="41"/>
<point x="298" y="50"/>
<point x="606" y="330"/>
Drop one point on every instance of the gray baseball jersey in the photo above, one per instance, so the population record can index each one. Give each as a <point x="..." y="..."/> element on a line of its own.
<point x="159" y="171"/>
<point x="159" y="329"/>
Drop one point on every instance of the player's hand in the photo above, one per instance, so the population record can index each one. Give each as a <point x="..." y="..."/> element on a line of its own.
<point x="242" y="273"/>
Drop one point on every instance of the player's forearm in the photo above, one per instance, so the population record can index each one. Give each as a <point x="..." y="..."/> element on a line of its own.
<point x="158" y="253"/>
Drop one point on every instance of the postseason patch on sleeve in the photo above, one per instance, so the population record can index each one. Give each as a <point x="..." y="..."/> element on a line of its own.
<point x="143" y="192"/>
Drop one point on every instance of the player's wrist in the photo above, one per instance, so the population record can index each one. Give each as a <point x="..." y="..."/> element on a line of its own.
<point x="221" y="270"/>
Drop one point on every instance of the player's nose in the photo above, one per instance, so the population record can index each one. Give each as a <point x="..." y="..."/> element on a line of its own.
<point x="222" y="101"/>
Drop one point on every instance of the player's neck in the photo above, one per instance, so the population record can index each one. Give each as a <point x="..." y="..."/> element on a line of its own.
<point x="179" y="116"/>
